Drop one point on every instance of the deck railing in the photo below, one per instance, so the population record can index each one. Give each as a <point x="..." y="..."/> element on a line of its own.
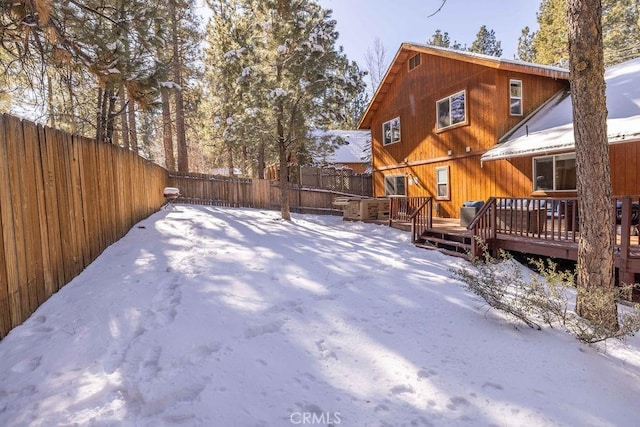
<point x="483" y="228"/>
<point x="401" y="208"/>
<point x="541" y="218"/>
<point x="421" y="220"/>
<point x="554" y="219"/>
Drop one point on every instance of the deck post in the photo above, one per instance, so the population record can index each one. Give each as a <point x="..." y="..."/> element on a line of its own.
<point x="625" y="238"/>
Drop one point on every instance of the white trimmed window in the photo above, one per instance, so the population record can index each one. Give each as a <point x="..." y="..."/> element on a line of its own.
<point x="442" y="183"/>
<point x="515" y="97"/>
<point x="394" y="185"/>
<point x="391" y="131"/>
<point x="554" y="173"/>
<point x="451" y="110"/>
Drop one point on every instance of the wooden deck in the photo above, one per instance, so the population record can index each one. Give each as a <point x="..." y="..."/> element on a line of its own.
<point x="531" y="231"/>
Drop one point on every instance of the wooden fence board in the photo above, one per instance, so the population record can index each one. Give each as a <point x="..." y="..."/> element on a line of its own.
<point x="40" y="168"/>
<point x="47" y="148"/>
<point x="65" y="200"/>
<point x="9" y="289"/>
<point x="16" y="155"/>
<point x="31" y="211"/>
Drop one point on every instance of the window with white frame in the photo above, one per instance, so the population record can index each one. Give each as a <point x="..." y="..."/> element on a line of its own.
<point x="442" y="183"/>
<point x="394" y="185"/>
<point x="515" y="97"/>
<point x="451" y="110"/>
<point x="555" y="173"/>
<point x="391" y="131"/>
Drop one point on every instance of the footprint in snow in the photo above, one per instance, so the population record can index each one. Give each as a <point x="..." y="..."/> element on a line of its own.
<point x="27" y="365"/>
<point x="269" y="328"/>
<point x="400" y="389"/>
<point x="457" y="401"/>
<point x="492" y="385"/>
<point x="423" y="373"/>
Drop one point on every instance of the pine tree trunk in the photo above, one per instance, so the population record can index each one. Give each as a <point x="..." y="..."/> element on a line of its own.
<point x="229" y="148"/>
<point x="123" y="118"/>
<point x="261" y="160"/>
<point x="283" y="175"/>
<point x="596" y="299"/>
<point x="52" y="112"/>
<point x="101" y="118"/>
<point x="181" y="137"/>
<point x="133" y="131"/>
<point x="167" y="131"/>
<point x="111" y="106"/>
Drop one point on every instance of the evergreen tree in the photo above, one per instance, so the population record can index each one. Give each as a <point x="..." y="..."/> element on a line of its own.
<point x="443" y="40"/>
<point x="621" y="30"/>
<point x="486" y="43"/>
<point x="595" y="299"/>
<point x="230" y="102"/>
<point x="550" y="41"/>
<point x="305" y="80"/>
<point x="526" y="50"/>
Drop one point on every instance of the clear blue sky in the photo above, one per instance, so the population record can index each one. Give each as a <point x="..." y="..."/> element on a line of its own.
<point x="397" y="21"/>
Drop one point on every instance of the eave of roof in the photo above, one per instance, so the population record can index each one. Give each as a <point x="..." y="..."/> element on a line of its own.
<point x="549" y="129"/>
<point x="406" y="49"/>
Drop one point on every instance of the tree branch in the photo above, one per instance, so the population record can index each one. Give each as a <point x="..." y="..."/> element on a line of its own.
<point x="439" y="9"/>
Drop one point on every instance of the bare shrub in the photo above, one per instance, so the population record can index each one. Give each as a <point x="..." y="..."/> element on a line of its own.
<point x="544" y="297"/>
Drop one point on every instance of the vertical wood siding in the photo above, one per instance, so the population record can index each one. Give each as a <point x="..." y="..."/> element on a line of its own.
<point x="413" y="95"/>
<point x="64" y="200"/>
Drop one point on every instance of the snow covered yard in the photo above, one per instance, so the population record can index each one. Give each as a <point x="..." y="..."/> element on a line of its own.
<point x="231" y="317"/>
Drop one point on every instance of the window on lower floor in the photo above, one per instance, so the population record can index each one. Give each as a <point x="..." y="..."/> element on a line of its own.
<point x="442" y="183"/>
<point x="555" y="173"/>
<point x="394" y="185"/>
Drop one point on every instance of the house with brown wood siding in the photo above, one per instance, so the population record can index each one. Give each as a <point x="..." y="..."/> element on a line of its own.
<point x="438" y="111"/>
<point x="543" y="145"/>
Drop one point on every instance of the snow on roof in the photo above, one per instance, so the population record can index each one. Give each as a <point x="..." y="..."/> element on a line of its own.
<point x="355" y="151"/>
<point x="550" y="130"/>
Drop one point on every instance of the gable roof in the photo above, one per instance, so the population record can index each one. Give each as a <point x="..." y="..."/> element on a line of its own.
<point x="550" y="129"/>
<point x="407" y="50"/>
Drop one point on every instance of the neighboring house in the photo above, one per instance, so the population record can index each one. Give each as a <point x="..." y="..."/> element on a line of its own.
<point x="354" y="151"/>
<point x="437" y="111"/>
<point x="225" y="171"/>
<point x="543" y="146"/>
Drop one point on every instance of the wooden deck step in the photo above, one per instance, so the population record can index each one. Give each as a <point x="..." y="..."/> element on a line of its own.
<point x="432" y="247"/>
<point x="446" y="242"/>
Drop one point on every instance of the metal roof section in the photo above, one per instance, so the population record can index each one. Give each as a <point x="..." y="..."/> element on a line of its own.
<point x="550" y="129"/>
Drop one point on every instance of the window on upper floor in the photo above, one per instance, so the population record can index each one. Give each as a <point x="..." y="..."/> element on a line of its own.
<point x="515" y="97"/>
<point x="414" y="61"/>
<point x="394" y="185"/>
<point x="442" y="183"/>
<point x="451" y="110"/>
<point x="391" y="131"/>
<point x="555" y="173"/>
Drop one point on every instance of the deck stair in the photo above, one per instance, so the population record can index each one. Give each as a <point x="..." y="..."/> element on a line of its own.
<point x="448" y="241"/>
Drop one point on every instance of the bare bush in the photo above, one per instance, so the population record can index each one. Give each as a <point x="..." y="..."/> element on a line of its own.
<point x="544" y="297"/>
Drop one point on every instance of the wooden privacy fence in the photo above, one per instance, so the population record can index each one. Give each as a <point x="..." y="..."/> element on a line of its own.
<point x="64" y="200"/>
<point x="251" y="193"/>
<point x="344" y="180"/>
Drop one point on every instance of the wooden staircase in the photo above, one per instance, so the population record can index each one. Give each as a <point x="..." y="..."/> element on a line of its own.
<point x="449" y="242"/>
